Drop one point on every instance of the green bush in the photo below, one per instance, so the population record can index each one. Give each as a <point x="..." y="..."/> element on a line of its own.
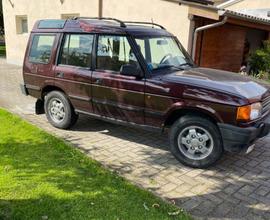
<point x="262" y="75"/>
<point x="260" y="60"/>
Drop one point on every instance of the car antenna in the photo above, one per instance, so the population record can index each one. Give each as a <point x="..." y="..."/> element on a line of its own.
<point x="152" y="22"/>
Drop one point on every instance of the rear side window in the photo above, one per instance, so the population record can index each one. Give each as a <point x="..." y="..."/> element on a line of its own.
<point x="77" y="50"/>
<point x="41" y="48"/>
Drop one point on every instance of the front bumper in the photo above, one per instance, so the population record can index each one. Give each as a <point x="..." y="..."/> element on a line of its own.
<point x="237" y="139"/>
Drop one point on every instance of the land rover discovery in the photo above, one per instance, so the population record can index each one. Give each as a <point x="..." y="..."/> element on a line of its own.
<point x="137" y="73"/>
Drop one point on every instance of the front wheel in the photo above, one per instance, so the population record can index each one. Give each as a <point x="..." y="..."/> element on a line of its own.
<point x="59" y="110"/>
<point x="195" y="141"/>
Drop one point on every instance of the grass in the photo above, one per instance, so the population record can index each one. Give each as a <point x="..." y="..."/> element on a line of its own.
<point x="42" y="177"/>
<point x="2" y="50"/>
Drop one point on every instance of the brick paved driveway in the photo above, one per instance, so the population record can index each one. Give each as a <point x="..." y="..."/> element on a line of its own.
<point x="238" y="187"/>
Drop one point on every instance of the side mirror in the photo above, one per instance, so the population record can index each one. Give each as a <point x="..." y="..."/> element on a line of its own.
<point x="130" y="70"/>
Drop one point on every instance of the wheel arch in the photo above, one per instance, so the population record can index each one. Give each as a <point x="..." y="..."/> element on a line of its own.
<point x="175" y="114"/>
<point x="39" y="105"/>
<point x="50" y="88"/>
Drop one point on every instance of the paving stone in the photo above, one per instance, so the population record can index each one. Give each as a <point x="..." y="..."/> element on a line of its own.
<point x="265" y="164"/>
<point x="238" y="211"/>
<point x="190" y="204"/>
<point x="245" y="199"/>
<point x="232" y="188"/>
<point x="204" y="208"/>
<point x="262" y="191"/>
<point x="222" y="210"/>
<point x="213" y="198"/>
<point x="254" y="217"/>
<point x="253" y="163"/>
<point x="247" y="189"/>
<point x="199" y="189"/>
<point x="169" y="187"/>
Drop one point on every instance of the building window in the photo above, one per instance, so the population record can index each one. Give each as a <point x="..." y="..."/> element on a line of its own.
<point x="41" y="48"/>
<point x="21" y="24"/>
<point x="69" y="16"/>
<point x="77" y="50"/>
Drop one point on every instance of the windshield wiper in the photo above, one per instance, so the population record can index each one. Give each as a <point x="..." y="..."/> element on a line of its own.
<point x="185" y="64"/>
<point x="168" y="66"/>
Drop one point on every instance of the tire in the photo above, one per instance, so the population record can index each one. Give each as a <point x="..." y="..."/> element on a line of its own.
<point x="59" y="111"/>
<point x="194" y="149"/>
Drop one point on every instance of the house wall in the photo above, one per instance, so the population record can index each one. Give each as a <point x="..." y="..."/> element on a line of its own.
<point x="250" y="4"/>
<point x="34" y="10"/>
<point x="168" y="14"/>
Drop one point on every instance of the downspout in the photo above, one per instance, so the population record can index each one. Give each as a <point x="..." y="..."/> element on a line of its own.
<point x="199" y="29"/>
<point x="100" y="8"/>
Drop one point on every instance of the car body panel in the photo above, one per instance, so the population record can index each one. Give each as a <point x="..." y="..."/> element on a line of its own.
<point x="117" y="96"/>
<point x="222" y="81"/>
<point x="76" y="83"/>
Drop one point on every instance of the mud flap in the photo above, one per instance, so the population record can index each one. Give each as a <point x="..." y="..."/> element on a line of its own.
<point x="39" y="108"/>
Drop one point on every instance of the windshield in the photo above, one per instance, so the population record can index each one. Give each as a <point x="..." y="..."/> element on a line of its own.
<point x="162" y="52"/>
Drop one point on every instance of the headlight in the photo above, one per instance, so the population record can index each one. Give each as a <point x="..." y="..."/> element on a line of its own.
<point x="249" y="112"/>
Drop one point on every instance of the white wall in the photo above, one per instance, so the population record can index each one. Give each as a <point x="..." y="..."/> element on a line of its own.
<point x="172" y="16"/>
<point x="250" y="4"/>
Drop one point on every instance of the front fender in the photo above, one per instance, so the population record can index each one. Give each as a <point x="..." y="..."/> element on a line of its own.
<point x="181" y="108"/>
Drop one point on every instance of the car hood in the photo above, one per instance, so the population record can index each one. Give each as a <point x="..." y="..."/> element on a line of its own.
<point x="221" y="81"/>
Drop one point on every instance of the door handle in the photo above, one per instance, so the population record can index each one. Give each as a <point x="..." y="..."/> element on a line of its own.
<point x="60" y="75"/>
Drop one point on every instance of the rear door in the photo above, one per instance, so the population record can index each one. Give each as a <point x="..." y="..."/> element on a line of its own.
<point x="73" y="69"/>
<point x="114" y="95"/>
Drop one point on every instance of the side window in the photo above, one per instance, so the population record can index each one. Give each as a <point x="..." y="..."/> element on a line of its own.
<point x="77" y="50"/>
<point x="113" y="52"/>
<point x="41" y="48"/>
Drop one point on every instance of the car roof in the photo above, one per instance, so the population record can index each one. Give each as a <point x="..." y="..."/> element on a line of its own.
<point x="99" y="25"/>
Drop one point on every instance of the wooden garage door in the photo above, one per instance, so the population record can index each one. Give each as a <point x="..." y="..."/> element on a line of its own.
<point x="221" y="47"/>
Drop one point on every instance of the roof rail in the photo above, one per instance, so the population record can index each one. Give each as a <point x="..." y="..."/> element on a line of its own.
<point x="122" y="24"/>
<point x="148" y="23"/>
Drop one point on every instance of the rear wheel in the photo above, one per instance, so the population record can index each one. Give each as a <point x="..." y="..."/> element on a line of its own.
<point x="59" y="110"/>
<point x="195" y="141"/>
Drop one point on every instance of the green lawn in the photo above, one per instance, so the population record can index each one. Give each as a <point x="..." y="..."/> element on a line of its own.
<point x="2" y="50"/>
<point x="42" y="177"/>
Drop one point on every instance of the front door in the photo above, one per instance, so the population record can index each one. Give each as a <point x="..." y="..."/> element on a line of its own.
<point x="114" y="95"/>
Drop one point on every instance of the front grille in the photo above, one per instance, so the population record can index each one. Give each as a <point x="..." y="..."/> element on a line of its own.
<point x="265" y="105"/>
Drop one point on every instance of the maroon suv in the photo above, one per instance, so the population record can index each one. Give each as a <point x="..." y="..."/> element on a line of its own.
<point x="137" y="73"/>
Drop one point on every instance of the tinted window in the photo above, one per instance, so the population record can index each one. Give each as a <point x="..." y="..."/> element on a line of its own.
<point x="113" y="52"/>
<point x="41" y="48"/>
<point x="77" y="50"/>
